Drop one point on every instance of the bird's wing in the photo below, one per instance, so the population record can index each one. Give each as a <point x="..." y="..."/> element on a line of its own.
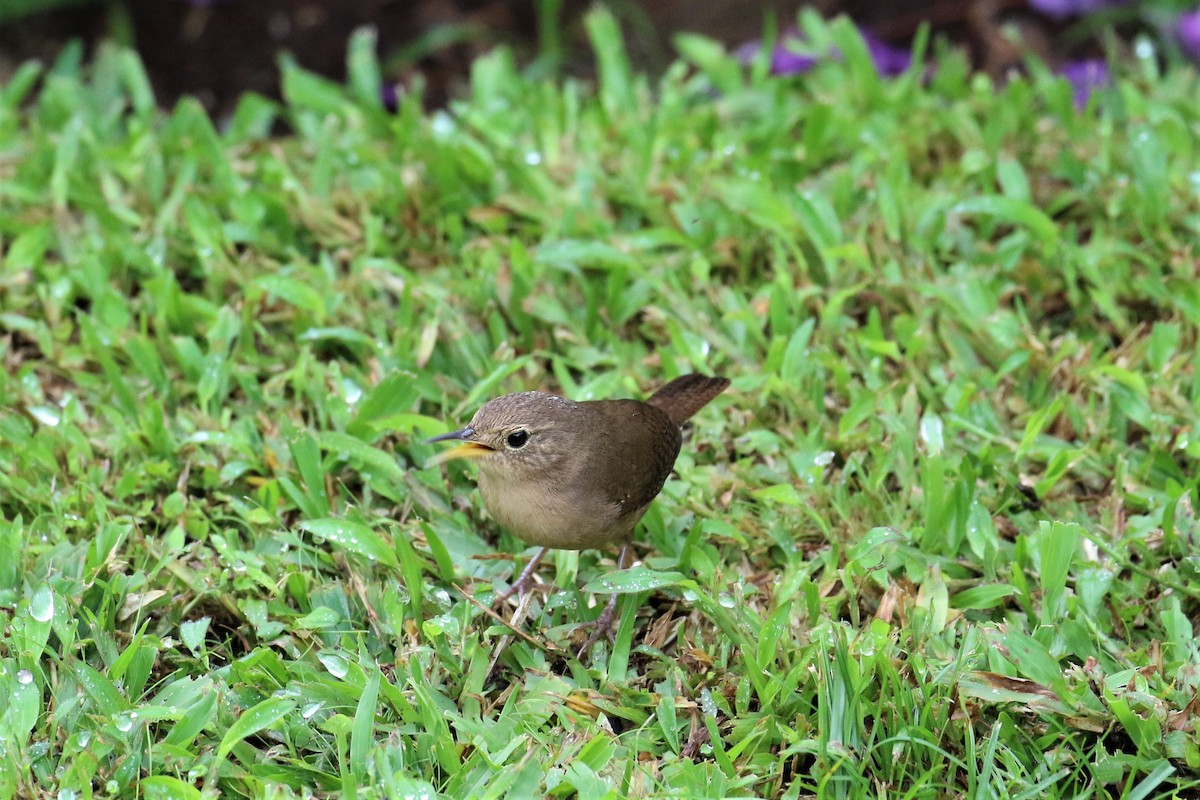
<point x="635" y="460"/>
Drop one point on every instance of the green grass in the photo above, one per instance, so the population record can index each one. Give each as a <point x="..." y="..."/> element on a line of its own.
<point x="938" y="540"/>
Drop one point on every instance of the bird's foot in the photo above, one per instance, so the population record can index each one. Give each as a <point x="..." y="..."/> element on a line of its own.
<point x="521" y="584"/>
<point x="601" y="626"/>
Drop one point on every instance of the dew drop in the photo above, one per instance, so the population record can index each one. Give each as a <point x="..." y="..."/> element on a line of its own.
<point x="45" y="415"/>
<point x="442" y="125"/>
<point x="41" y="607"/>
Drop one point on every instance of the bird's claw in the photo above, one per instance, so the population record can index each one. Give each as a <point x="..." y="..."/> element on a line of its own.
<point x="601" y="626"/>
<point x="521" y="584"/>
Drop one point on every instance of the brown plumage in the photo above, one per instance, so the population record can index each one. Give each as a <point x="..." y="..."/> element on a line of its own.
<point x="577" y="475"/>
<point x="570" y="475"/>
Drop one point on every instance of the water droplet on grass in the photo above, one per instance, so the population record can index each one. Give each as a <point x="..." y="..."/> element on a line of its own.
<point x="45" y="415"/>
<point x="41" y="607"/>
<point x="442" y="124"/>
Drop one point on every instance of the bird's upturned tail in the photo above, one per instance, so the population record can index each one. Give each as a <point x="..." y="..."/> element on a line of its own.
<point x="686" y="395"/>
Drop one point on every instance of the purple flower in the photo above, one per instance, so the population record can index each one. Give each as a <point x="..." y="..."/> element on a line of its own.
<point x="785" y="60"/>
<point x="1188" y="31"/>
<point x="889" y="60"/>
<point x="1085" y="76"/>
<point x="389" y="96"/>
<point x="1061" y="9"/>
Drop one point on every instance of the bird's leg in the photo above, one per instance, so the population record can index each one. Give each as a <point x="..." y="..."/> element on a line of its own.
<point x="522" y="581"/>
<point x="602" y="625"/>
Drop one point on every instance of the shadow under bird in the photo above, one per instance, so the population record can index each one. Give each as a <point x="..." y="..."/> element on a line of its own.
<point x="576" y="476"/>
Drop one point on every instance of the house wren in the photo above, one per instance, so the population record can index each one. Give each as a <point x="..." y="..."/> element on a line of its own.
<point x="557" y="473"/>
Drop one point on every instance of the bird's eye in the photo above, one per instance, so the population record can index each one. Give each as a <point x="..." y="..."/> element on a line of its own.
<point x="518" y="439"/>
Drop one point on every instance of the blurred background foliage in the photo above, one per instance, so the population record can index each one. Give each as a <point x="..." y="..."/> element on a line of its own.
<point x="215" y="50"/>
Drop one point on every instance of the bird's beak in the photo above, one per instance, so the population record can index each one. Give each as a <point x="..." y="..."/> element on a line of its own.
<point x="468" y="450"/>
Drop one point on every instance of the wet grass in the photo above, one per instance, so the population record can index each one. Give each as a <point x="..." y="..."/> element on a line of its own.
<point x="938" y="540"/>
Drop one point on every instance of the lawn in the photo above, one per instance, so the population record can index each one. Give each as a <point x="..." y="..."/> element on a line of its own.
<point x="938" y="540"/>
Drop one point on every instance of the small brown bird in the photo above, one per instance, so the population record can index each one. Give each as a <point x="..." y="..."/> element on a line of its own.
<point x="576" y="476"/>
